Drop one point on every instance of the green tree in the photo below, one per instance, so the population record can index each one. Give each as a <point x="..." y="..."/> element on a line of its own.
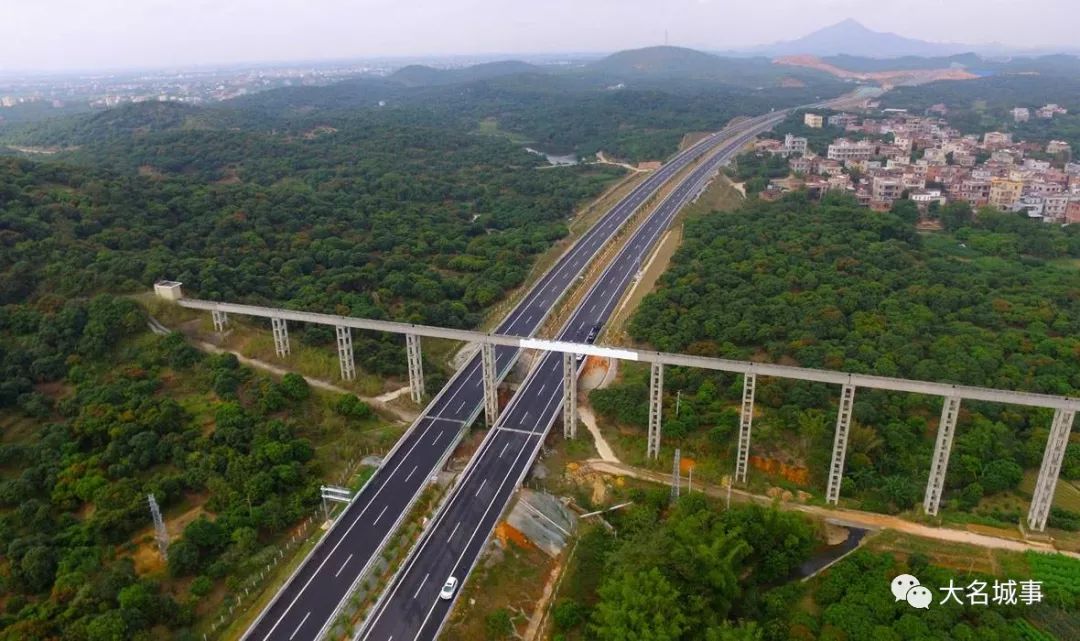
<point x="639" y="606"/>
<point x="498" y="625"/>
<point x="295" y="386"/>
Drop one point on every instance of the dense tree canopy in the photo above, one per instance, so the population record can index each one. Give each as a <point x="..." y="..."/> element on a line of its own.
<point x="835" y="286"/>
<point x="109" y="415"/>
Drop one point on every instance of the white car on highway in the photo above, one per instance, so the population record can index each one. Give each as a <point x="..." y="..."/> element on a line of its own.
<point x="448" y="588"/>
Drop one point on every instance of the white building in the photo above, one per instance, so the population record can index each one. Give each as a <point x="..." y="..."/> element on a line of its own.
<point x="1058" y="147"/>
<point x="794" y="145"/>
<point x="843" y="149"/>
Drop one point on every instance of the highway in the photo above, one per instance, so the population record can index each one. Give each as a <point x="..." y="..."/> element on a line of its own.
<point x="411" y="609"/>
<point x="309" y="601"/>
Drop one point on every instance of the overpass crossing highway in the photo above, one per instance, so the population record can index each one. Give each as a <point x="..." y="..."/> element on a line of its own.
<point x="307" y="604"/>
<point x="411" y="609"/>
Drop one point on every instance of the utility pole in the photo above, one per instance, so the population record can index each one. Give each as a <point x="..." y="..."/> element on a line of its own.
<point x="690" y="481"/>
<point x="676" y="480"/>
<point x="678" y="401"/>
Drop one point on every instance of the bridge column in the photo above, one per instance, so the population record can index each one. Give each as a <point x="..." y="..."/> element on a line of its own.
<point x="281" y="336"/>
<point x="843" y="425"/>
<point x="416" y="367"/>
<point x="569" y="401"/>
<point x="938" y="466"/>
<point x="221" y="319"/>
<point x="1050" y="468"/>
<point x="656" y="402"/>
<point x="745" y="420"/>
<point x="346" y="359"/>
<point x="491" y="398"/>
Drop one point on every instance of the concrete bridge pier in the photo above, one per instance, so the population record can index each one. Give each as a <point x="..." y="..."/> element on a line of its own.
<point x="569" y="409"/>
<point x="221" y="319"/>
<point x="746" y="418"/>
<point x="1050" y="469"/>
<point x="346" y="359"/>
<point x="281" y="336"/>
<point x="935" y="485"/>
<point x="656" y="406"/>
<point x="840" y="439"/>
<point x="416" y="367"/>
<point x="491" y="398"/>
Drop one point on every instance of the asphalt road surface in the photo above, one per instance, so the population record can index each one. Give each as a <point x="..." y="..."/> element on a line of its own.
<point x="411" y="609"/>
<point x="306" y="606"/>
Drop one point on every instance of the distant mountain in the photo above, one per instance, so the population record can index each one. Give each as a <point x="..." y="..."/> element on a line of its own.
<point x="852" y="38"/>
<point x="423" y="76"/>
<point x="660" y="64"/>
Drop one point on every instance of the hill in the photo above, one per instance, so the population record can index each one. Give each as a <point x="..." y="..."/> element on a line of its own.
<point x="696" y="69"/>
<point x="653" y="61"/>
<point x="423" y="76"/>
<point x="852" y="38"/>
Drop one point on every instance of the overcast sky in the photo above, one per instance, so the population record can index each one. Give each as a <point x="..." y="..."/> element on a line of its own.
<point x="90" y="34"/>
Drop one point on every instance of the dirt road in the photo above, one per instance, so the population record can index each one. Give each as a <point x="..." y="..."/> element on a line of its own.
<point x="855" y="518"/>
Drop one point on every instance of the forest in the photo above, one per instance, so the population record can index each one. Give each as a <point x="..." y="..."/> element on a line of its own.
<point x="382" y="219"/>
<point x="835" y="286"/>
<point x="612" y="108"/>
<point x="695" y="571"/>
<point x="96" y="414"/>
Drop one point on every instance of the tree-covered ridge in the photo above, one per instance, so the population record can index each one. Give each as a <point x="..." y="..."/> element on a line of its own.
<point x="641" y="119"/>
<point x="415" y="222"/>
<point x="839" y="287"/>
<point x="110" y="414"/>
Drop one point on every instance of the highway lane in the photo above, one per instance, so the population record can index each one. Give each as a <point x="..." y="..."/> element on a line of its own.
<point x="411" y="609"/>
<point x="306" y="606"/>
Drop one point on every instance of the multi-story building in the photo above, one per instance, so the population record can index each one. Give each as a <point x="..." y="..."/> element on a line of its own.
<point x="934" y="155"/>
<point x="794" y="145"/>
<point x="924" y="198"/>
<point x="842" y="120"/>
<point x="1072" y="214"/>
<point x="829" y="168"/>
<point x="1043" y="187"/>
<point x="1004" y="156"/>
<point x="1033" y="206"/>
<point x="814" y="121"/>
<point x="964" y="159"/>
<point x="1021" y="114"/>
<point x="800" y="164"/>
<point x="886" y="189"/>
<point x="992" y="138"/>
<point x="1051" y="110"/>
<point x="975" y="192"/>
<point x="1058" y="147"/>
<point x="1055" y="208"/>
<point x="843" y="149"/>
<point x="1004" y="192"/>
